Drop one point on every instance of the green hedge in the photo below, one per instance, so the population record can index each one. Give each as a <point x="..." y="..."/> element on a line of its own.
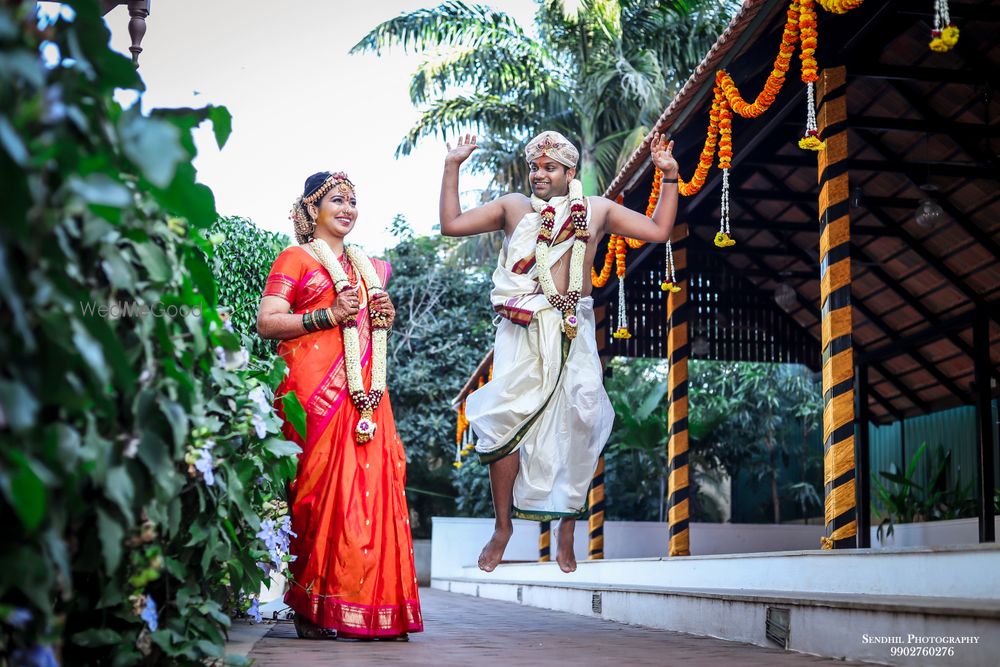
<point x="136" y="459"/>
<point x="243" y="257"/>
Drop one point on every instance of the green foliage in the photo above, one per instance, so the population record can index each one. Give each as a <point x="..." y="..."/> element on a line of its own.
<point x="768" y="412"/>
<point x="244" y="254"/>
<point x="442" y="331"/>
<point x="472" y="482"/>
<point x="744" y="418"/>
<point x="636" y="462"/>
<point x="903" y="500"/>
<point x="593" y="74"/>
<point x="131" y="470"/>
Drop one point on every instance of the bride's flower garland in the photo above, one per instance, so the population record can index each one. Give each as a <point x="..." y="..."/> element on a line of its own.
<point x="364" y="401"/>
<point x="566" y="303"/>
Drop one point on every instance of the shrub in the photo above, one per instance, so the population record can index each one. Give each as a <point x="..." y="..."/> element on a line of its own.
<point x="136" y="455"/>
<point x="243" y="258"/>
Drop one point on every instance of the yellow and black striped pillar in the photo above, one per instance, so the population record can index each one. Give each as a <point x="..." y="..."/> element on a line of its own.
<point x="678" y="351"/>
<point x="835" y="304"/>
<point x="544" y="541"/>
<point x="595" y="522"/>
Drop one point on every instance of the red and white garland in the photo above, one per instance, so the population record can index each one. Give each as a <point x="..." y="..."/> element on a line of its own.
<point x="364" y="401"/>
<point x="565" y="303"/>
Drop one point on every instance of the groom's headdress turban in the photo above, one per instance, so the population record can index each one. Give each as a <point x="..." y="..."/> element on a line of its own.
<point x="552" y="145"/>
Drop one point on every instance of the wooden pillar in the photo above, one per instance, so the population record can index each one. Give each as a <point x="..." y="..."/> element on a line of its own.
<point x="984" y="426"/>
<point x="544" y="541"/>
<point x="595" y="501"/>
<point x="678" y="352"/>
<point x="835" y="303"/>
<point x="863" y="460"/>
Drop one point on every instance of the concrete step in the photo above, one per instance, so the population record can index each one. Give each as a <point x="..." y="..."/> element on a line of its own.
<point x="922" y="606"/>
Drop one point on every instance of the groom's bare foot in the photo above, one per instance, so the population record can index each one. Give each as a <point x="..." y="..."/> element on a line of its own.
<point x="564" y="551"/>
<point x="493" y="551"/>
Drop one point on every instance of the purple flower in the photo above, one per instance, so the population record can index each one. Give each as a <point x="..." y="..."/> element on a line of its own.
<point x="276" y="537"/>
<point x="19" y="617"/>
<point x="254" y="610"/>
<point x="36" y="656"/>
<point x="259" y="398"/>
<point x="149" y="614"/>
<point x="204" y="466"/>
<point x="260" y="426"/>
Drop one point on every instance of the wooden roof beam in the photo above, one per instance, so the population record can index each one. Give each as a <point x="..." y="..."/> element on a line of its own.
<point x="908" y="73"/>
<point x="914" y="175"/>
<point x="953" y="169"/>
<point x="966" y="130"/>
<point x="919" y="104"/>
<point x="935" y="262"/>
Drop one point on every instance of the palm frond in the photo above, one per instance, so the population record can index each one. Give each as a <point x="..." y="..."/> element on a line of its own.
<point x="490" y="67"/>
<point x="479" y="110"/>
<point x="452" y="23"/>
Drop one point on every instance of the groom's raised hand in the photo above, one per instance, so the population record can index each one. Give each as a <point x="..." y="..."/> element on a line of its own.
<point x="462" y="150"/>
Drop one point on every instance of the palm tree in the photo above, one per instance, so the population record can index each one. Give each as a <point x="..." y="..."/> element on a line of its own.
<point x="599" y="71"/>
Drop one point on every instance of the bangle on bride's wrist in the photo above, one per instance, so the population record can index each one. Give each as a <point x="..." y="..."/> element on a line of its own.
<point x="669" y="180"/>
<point x="323" y="318"/>
<point x="307" y="322"/>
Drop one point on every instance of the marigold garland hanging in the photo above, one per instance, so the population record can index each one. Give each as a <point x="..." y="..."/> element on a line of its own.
<point x="840" y="6"/>
<point x="692" y="187"/>
<point x="601" y="279"/>
<point x="944" y="36"/>
<point x="723" y="239"/>
<point x="622" y="330"/>
<point x="810" y="74"/>
<point x="775" y="80"/>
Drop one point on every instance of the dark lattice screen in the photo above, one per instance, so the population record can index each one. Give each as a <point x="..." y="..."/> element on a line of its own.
<point x="731" y="318"/>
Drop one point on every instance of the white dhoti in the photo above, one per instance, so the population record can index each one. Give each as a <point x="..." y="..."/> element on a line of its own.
<point x="546" y="399"/>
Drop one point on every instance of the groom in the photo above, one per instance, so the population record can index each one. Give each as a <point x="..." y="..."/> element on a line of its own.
<point x="543" y="420"/>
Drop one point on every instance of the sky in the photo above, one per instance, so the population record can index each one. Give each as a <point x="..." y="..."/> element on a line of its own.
<point x="300" y="103"/>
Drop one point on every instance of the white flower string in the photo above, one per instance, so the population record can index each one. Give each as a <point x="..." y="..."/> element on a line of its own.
<point x="669" y="283"/>
<point x="811" y="141"/>
<point x="622" y="331"/>
<point x="722" y="237"/>
<point x="364" y="401"/>
<point x="945" y="33"/>
<point x="565" y="303"/>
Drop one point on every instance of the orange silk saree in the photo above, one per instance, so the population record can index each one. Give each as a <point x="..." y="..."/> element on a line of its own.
<point x="354" y="569"/>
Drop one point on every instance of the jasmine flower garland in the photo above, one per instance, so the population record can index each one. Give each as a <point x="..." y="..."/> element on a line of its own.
<point x="565" y="303"/>
<point x="364" y="401"/>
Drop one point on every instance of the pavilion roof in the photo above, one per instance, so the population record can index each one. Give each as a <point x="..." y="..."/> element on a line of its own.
<point x="916" y="118"/>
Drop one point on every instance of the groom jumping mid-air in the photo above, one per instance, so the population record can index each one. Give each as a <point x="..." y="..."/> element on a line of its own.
<point x="542" y="421"/>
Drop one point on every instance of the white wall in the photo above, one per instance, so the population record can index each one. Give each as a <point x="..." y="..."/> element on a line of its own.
<point x="932" y="533"/>
<point x="457" y="541"/>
